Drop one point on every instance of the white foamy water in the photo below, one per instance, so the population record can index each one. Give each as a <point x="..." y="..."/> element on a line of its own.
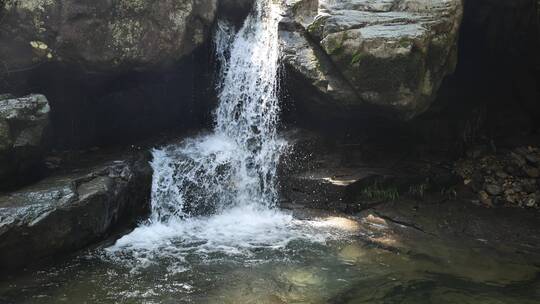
<point x="240" y="231"/>
<point x="216" y="193"/>
<point x="236" y="164"/>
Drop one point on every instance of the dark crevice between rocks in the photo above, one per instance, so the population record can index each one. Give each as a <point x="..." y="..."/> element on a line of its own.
<point x="93" y="109"/>
<point x="235" y="11"/>
<point x="402" y="223"/>
<point x="498" y="68"/>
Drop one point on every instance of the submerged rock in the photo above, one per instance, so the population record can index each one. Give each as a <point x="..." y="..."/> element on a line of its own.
<point x="23" y="125"/>
<point x="350" y="55"/>
<point x="102" y="35"/>
<point x="66" y="212"/>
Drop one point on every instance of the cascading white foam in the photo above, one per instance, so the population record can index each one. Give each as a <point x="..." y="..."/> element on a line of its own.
<point x="249" y="108"/>
<point x="236" y="165"/>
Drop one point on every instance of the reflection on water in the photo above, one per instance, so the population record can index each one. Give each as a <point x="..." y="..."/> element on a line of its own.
<point x="344" y="269"/>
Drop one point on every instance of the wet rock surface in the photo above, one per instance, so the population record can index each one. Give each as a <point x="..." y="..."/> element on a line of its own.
<point x="24" y="123"/>
<point x="349" y="175"/>
<point x="344" y="56"/>
<point x="71" y="209"/>
<point x="353" y="173"/>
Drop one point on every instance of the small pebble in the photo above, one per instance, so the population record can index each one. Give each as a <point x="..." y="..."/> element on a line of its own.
<point x="501" y="174"/>
<point x="485" y="199"/>
<point x="532" y="172"/>
<point x="493" y="189"/>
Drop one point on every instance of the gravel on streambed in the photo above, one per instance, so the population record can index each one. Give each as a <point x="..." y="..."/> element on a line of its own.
<point x="508" y="178"/>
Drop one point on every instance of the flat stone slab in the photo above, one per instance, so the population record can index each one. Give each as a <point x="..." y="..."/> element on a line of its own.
<point x="71" y="210"/>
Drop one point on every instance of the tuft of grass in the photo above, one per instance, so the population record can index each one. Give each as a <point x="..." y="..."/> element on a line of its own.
<point x="450" y="193"/>
<point x="377" y="192"/>
<point x="357" y="57"/>
<point x="419" y="190"/>
<point x="335" y="45"/>
<point x="404" y="42"/>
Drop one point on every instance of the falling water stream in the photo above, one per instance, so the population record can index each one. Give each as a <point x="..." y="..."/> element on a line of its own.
<point x="216" y="193"/>
<point x="215" y="234"/>
<point x="235" y="165"/>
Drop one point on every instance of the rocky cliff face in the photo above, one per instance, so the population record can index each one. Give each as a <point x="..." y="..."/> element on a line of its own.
<point x="102" y="35"/>
<point x="390" y="54"/>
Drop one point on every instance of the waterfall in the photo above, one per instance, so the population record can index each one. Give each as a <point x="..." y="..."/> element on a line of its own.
<point x="215" y="193"/>
<point x="236" y="164"/>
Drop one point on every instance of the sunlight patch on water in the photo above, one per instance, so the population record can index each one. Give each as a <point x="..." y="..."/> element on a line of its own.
<point x="338" y="222"/>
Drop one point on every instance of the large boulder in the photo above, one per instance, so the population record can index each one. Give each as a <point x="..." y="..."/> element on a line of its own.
<point x="102" y="35"/>
<point x="71" y="210"/>
<point x="23" y="136"/>
<point x="344" y="56"/>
